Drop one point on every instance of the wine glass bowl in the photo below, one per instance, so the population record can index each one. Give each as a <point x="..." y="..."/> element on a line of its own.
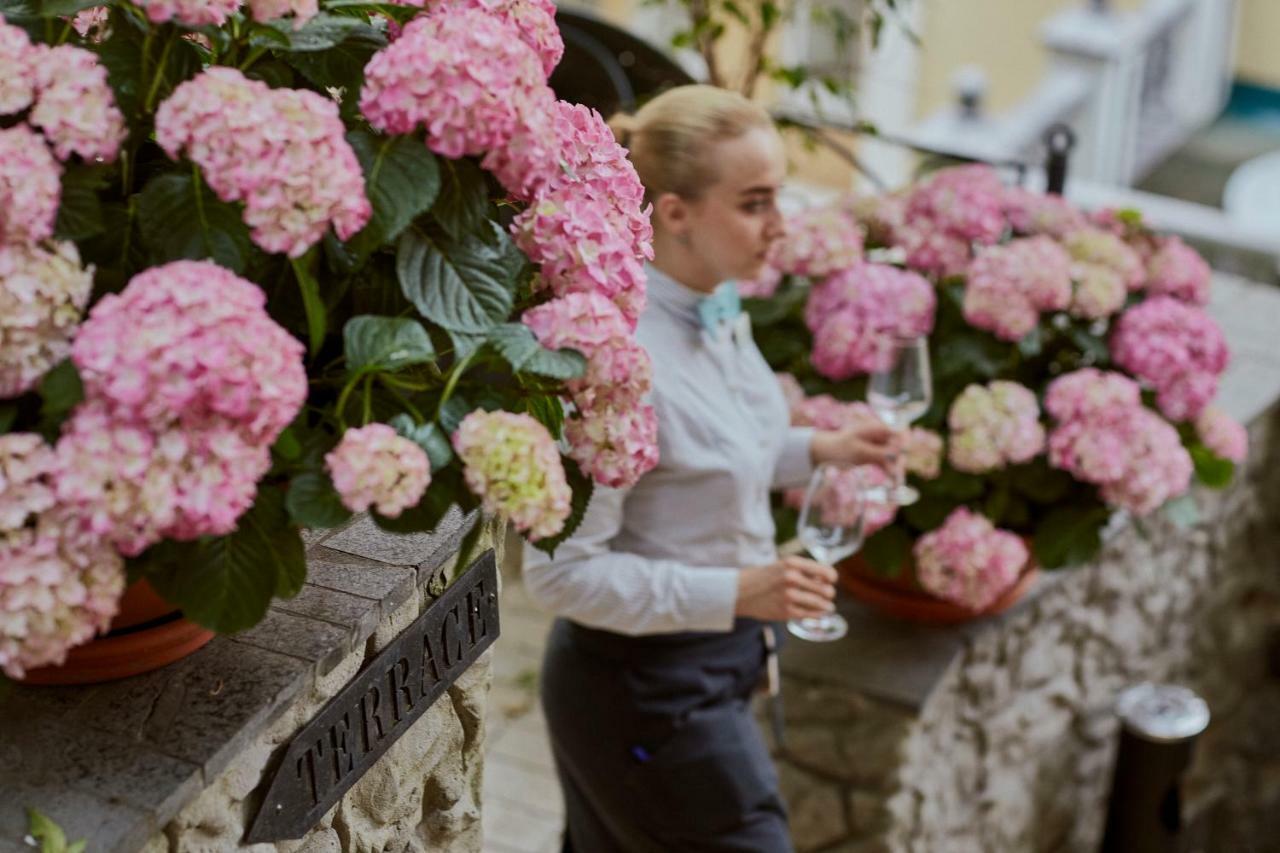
<point x="831" y="528"/>
<point x="900" y="393"/>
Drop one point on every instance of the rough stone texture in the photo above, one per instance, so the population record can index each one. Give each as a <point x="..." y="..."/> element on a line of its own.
<point x="1000" y="736"/>
<point x="174" y="760"/>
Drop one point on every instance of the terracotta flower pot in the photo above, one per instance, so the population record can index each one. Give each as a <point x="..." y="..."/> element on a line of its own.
<point x="902" y="596"/>
<point x="146" y="634"/>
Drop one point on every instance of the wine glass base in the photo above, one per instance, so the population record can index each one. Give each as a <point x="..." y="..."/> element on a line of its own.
<point x="892" y="496"/>
<point x="905" y="495"/>
<point x="819" y="629"/>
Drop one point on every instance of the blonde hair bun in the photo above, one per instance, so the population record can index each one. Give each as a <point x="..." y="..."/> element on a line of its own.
<point x="624" y="127"/>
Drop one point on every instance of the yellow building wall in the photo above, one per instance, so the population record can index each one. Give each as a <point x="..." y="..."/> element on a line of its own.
<point x="1258" y="56"/>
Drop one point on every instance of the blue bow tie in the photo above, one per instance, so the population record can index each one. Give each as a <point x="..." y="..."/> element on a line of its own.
<point x="720" y="310"/>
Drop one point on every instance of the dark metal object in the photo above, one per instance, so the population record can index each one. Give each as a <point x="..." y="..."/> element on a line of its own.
<point x="358" y="725"/>
<point x="1059" y="139"/>
<point x="1160" y="725"/>
<point x="610" y="69"/>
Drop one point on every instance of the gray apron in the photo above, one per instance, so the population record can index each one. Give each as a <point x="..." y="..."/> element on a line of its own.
<point x="655" y="744"/>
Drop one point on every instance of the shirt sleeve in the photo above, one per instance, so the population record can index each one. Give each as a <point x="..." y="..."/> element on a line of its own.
<point x="795" y="462"/>
<point x="626" y="593"/>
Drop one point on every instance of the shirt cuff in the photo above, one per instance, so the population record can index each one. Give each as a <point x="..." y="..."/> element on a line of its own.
<point x="795" y="463"/>
<point x="711" y="595"/>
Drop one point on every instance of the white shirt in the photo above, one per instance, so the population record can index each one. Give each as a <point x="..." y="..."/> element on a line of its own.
<point x="664" y="555"/>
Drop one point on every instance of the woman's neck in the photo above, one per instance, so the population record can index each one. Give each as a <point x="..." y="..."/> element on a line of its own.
<point x="674" y="258"/>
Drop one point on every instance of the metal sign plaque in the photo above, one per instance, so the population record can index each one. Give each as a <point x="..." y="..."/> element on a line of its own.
<point x="358" y="725"/>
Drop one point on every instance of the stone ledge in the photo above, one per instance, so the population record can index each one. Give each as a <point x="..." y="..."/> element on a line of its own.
<point x="115" y="763"/>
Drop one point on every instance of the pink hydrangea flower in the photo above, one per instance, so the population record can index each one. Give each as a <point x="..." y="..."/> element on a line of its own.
<point x="1177" y="270"/>
<point x="511" y="463"/>
<point x="93" y="24"/>
<point x="582" y="246"/>
<point x="615" y="445"/>
<point x="193" y="13"/>
<point x="763" y="286"/>
<point x="464" y="75"/>
<point x="1089" y="391"/>
<point x="965" y="202"/>
<point x="1099" y="291"/>
<point x="136" y="485"/>
<point x="59" y="584"/>
<point x="1010" y="285"/>
<point x="75" y="106"/>
<point x="826" y="412"/>
<point x="994" y="426"/>
<point x="1041" y="213"/>
<point x="533" y="20"/>
<point x="42" y="295"/>
<point x="855" y="315"/>
<point x="280" y="151"/>
<point x="1174" y="347"/>
<point x="1131" y="453"/>
<point x="881" y="216"/>
<point x="933" y="251"/>
<point x="190" y="345"/>
<point x="17" y="87"/>
<point x="375" y="466"/>
<point x="968" y="560"/>
<point x="1095" y="246"/>
<point x="1223" y="434"/>
<point x="270" y="10"/>
<point x="923" y="453"/>
<point x="818" y="242"/>
<point x="848" y="489"/>
<point x="30" y="186"/>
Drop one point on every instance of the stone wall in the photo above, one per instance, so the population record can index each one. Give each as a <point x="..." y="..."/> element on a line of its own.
<point x="422" y="795"/>
<point x="1012" y="750"/>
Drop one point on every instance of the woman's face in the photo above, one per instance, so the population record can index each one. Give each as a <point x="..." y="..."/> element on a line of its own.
<point x="730" y="228"/>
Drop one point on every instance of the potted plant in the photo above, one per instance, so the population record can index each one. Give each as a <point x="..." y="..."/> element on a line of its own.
<point x="1074" y="371"/>
<point x="265" y="265"/>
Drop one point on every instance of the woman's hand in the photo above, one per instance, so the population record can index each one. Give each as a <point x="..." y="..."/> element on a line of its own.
<point x="866" y="441"/>
<point x="791" y="588"/>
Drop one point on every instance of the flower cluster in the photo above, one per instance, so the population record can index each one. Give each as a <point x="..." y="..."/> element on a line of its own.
<point x="193" y="13"/>
<point x="1177" y="270"/>
<point x="1175" y="348"/>
<point x="968" y="560"/>
<point x="763" y="286"/>
<point x="994" y="426"/>
<point x="188" y="382"/>
<point x="946" y="213"/>
<point x="42" y="294"/>
<point x="533" y="20"/>
<point x="1031" y="212"/>
<point x="818" y="242"/>
<point x="269" y="10"/>
<point x="856" y="314"/>
<point x="17" y="89"/>
<point x="75" y="107"/>
<point x="1132" y="454"/>
<point x="1222" y="434"/>
<point x="59" y="584"/>
<point x="280" y="151"/>
<point x="30" y="186"/>
<point x="462" y="74"/>
<point x="1009" y="286"/>
<point x="375" y="466"/>
<point x="613" y="432"/>
<point x="923" y="453"/>
<point x="510" y="461"/>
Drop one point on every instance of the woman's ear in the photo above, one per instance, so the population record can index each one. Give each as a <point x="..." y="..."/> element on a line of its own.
<point x="672" y="213"/>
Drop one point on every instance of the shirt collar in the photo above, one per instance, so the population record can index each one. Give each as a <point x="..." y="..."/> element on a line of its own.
<point x="678" y="299"/>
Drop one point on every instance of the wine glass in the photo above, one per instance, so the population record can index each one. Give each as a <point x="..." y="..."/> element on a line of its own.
<point x="830" y="528"/>
<point x="899" y="394"/>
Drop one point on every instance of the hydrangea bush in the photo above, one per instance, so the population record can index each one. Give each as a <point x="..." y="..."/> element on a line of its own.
<point x="264" y="265"/>
<point x="1074" y="369"/>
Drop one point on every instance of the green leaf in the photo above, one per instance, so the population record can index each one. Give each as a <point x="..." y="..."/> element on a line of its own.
<point x="1211" y="469"/>
<point x="766" y="312"/>
<point x="65" y="8"/>
<point x="1183" y="511"/>
<point x="182" y="218"/>
<point x="928" y="513"/>
<point x="464" y="345"/>
<point x="312" y="303"/>
<point x="227" y="583"/>
<point x="583" y="487"/>
<point x="1031" y="343"/>
<point x="313" y="502"/>
<point x="452" y="412"/>
<point x="80" y="211"/>
<point x="516" y="343"/>
<point x="459" y="284"/>
<point x="887" y="549"/>
<point x="1069" y="535"/>
<point x="1040" y="482"/>
<point x="51" y="837"/>
<point x="287" y="445"/>
<point x="385" y="343"/>
<point x="60" y="391"/>
<point x="957" y="485"/>
<point x="980" y="356"/>
<point x="427" y="436"/>
<point x="320" y="33"/>
<point x="402" y="181"/>
<point x="463" y="204"/>
<point x="341" y="67"/>
<point x="17" y="10"/>
<point x="8" y="414"/>
<point x="549" y="412"/>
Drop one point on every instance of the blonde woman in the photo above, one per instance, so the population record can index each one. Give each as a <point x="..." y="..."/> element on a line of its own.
<point x="666" y="592"/>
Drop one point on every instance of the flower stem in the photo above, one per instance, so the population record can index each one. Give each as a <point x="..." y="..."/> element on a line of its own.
<point x="159" y="75"/>
<point x="454" y="375"/>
